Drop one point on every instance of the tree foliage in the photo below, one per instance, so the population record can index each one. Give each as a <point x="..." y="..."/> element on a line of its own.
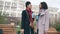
<point x="2" y="19"/>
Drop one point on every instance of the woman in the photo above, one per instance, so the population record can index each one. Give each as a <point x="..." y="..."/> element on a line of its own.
<point x="27" y="21"/>
<point x="43" y="21"/>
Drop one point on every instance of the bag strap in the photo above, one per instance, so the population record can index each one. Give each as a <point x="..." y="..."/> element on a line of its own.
<point x="27" y="15"/>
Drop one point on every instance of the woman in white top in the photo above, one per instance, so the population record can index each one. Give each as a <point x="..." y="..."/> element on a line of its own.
<point x="43" y="21"/>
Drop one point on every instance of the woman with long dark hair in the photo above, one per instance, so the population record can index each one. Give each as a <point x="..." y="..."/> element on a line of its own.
<point x="43" y="21"/>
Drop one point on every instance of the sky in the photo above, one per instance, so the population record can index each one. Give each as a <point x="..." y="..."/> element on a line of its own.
<point x="51" y="3"/>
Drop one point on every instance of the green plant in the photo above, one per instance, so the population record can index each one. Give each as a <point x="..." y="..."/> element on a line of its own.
<point x="57" y="26"/>
<point x="2" y="19"/>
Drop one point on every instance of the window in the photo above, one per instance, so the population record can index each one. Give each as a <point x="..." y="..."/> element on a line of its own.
<point x="1" y="2"/>
<point x="14" y="6"/>
<point x="1" y="5"/>
<point x="7" y="5"/>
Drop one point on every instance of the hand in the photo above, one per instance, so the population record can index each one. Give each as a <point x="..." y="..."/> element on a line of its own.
<point x="42" y="14"/>
<point x="22" y="30"/>
<point x="32" y="25"/>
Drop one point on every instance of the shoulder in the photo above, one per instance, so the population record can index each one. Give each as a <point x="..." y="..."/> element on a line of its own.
<point x="24" y="11"/>
<point x="47" y="11"/>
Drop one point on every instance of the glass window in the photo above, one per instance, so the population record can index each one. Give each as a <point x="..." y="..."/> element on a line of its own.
<point x="1" y="2"/>
<point x="14" y="6"/>
<point x="7" y="5"/>
<point x="1" y="7"/>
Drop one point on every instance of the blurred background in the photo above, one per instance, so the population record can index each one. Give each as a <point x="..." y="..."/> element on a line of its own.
<point x="10" y="11"/>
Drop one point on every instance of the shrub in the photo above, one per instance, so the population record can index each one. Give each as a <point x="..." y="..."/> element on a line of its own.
<point x="2" y="19"/>
<point x="57" y="26"/>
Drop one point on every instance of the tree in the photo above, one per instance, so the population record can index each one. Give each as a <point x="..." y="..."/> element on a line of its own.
<point x="2" y="18"/>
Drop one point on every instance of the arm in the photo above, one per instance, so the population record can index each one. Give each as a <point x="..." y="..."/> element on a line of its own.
<point x="23" y="20"/>
<point x="42" y="13"/>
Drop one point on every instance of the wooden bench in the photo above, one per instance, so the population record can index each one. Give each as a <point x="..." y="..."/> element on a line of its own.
<point x="52" y="31"/>
<point x="8" y="29"/>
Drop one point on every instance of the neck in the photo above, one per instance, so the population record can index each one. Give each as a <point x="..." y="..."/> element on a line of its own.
<point x="28" y="8"/>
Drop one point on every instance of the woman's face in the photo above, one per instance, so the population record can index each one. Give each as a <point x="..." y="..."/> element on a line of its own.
<point x="29" y="6"/>
<point x="40" y="6"/>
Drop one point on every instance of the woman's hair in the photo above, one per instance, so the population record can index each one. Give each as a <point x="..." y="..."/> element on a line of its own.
<point x="27" y="3"/>
<point x="44" y="5"/>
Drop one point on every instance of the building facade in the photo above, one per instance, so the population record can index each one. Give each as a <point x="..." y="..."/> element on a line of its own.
<point x="12" y="8"/>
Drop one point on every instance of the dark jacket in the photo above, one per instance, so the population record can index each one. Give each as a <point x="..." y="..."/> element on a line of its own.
<point x="25" y="24"/>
